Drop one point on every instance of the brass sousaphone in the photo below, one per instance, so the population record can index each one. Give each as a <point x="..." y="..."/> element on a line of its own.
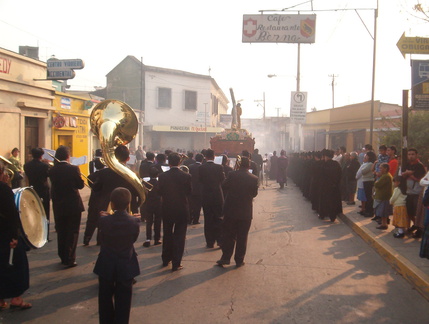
<point x="115" y="123"/>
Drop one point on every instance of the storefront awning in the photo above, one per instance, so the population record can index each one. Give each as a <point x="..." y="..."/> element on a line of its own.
<point x="186" y="129"/>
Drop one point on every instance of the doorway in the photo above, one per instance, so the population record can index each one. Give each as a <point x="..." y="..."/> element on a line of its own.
<point x="31" y="136"/>
<point x="66" y="140"/>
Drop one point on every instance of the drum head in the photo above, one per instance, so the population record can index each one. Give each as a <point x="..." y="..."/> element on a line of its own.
<point x="33" y="217"/>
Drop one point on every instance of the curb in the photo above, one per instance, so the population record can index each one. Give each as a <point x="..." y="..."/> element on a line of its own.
<point x="403" y="266"/>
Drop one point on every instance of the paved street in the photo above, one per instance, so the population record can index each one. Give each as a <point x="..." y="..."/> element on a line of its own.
<point x="298" y="269"/>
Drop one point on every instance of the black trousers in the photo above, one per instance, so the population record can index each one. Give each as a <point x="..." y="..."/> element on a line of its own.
<point x="212" y="223"/>
<point x="91" y="225"/>
<point x="153" y="218"/>
<point x="67" y="225"/>
<point x="173" y="242"/>
<point x="114" y="301"/>
<point x="235" y="233"/>
<point x="195" y="204"/>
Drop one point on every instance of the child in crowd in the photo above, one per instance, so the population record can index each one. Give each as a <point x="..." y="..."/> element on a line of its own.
<point x="383" y="192"/>
<point x="361" y="191"/>
<point x="398" y="200"/>
<point x="152" y="209"/>
<point x="117" y="263"/>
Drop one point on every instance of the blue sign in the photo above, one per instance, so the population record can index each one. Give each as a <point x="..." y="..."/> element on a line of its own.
<point x="420" y="84"/>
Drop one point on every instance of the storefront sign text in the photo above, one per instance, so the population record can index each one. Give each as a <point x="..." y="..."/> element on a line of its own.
<point x="5" y="65"/>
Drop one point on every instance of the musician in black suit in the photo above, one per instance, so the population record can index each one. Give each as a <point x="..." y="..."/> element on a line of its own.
<point x="93" y="205"/>
<point x="97" y="157"/>
<point x="225" y="164"/>
<point x="117" y="263"/>
<point x="145" y="166"/>
<point x="37" y="174"/>
<point x="195" y="200"/>
<point x="211" y="176"/>
<point x="253" y="166"/>
<point x="241" y="187"/>
<point x="190" y="160"/>
<point x="174" y="188"/>
<point x="160" y="162"/>
<point x="67" y="205"/>
<point x="108" y="180"/>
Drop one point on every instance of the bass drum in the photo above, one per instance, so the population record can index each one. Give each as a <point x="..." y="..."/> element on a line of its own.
<point x="34" y="224"/>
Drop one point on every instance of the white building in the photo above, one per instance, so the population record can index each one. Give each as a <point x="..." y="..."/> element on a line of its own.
<point x="178" y="109"/>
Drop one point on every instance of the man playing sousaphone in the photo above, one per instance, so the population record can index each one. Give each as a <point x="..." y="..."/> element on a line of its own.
<point x="108" y="180"/>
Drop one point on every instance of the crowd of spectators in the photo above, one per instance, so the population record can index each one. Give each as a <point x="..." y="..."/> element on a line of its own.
<point x="387" y="192"/>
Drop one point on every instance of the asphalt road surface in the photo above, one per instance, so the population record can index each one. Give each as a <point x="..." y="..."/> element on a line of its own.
<point x="298" y="269"/>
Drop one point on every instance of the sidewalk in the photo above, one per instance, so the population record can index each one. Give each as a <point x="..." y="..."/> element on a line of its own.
<point x="402" y="254"/>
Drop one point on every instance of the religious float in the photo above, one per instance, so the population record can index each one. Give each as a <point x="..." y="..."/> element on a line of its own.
<point x="235" y="140"/>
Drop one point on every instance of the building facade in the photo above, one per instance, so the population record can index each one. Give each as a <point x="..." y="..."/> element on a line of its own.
<point x="177" y="110"/>
<point x="71" y="126"/>
<point x="25" y="104"/>
<point x="347" y="126"/>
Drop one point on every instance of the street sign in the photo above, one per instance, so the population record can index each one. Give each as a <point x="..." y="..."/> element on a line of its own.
<point x="63" y="69"/>
<point x="413" y="45"/>
<point x="420" y="84"/>
<point x="298" y="106"/>
<point x="55" y="64"/>
<point x="61" y="75"/>
<point x="279" y="28"/>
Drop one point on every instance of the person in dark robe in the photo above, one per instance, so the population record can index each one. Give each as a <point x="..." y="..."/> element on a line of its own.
<point x="273" y="168"/>
<point x="14" y="277"/>
<point x="330" y="204"/>
<point x="282" y="164"/>
<point x="315" y="182"/>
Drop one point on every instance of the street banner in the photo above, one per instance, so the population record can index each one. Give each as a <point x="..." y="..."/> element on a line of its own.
<point x="277" y="28"/>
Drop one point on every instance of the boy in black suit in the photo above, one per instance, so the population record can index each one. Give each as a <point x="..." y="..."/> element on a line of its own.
<point x="117" y="263"/>
<point x="152" y="209"/>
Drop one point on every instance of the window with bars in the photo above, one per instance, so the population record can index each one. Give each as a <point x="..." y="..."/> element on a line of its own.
<point x="164" y="97"/>
<point x="190" y="100"/>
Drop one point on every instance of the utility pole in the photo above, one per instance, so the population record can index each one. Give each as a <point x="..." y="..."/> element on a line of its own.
<point x="333" y="76"/>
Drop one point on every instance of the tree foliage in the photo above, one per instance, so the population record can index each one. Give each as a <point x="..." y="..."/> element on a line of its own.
<point x="422" y="12"/>
<point x="418" y="134"/>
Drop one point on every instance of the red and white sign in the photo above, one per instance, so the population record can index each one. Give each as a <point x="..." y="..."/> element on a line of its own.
<point x="277" y="28"/>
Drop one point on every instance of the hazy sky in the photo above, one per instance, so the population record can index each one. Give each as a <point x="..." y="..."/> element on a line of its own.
<point x="195" y="35"/>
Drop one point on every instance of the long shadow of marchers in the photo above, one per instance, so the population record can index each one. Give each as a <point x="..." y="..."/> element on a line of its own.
<point x="342" y="308"/>
<point x="51" y="303"/>
<point x="174" y="284"/>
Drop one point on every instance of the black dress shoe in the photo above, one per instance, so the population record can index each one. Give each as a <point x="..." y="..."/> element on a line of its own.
<point x="398" y="235"/>
<point x="382" y="227"/>
<point x="71" y="264"/>
<point x="146" y="244"/>
<point x="412" y="229"/>
<point x="240" y="264"/>
<point x="157" y="243"/>
<point x="222" y="262"/>
<point x="179" y="267"/>
<point x="418" y="233"/>
<point x="376" y="218"/>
